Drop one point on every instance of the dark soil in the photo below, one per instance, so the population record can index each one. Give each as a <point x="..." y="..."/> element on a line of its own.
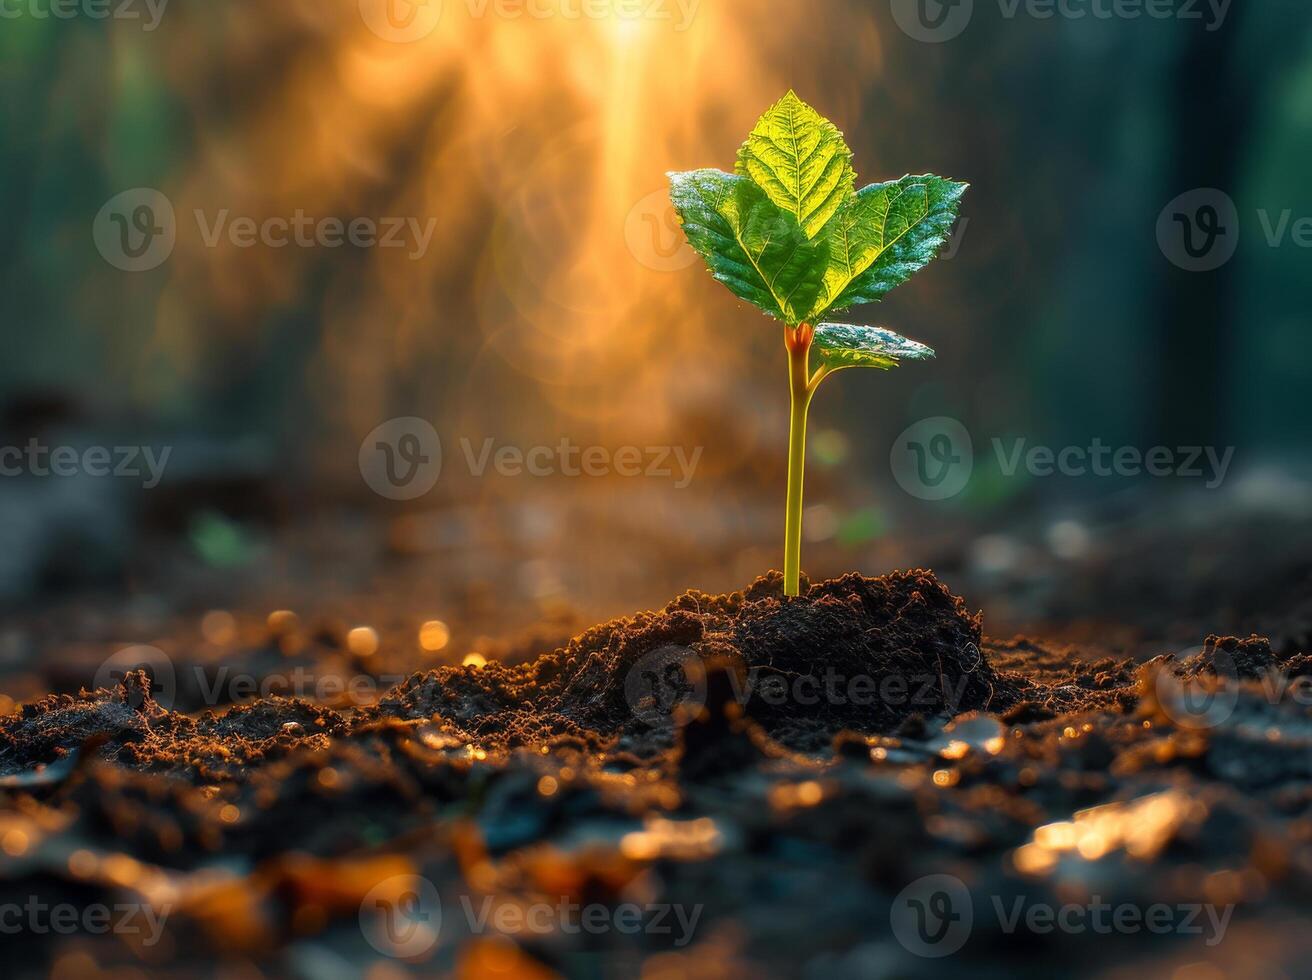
<point x="789" y="764"/>
<point x="899" y="626"/>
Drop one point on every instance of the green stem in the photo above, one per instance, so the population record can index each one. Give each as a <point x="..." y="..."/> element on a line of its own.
<point x="798" y="343"/>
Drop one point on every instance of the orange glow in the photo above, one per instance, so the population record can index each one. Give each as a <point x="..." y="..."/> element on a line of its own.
<point x="538" y="145"/>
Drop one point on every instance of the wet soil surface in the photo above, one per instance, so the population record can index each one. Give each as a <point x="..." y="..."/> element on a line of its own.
<point x="856" y="782"/>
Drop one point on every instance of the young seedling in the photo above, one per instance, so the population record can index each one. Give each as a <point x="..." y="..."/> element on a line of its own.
<point x="789" y="233"/>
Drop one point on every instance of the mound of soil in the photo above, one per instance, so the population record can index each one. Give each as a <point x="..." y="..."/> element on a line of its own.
<point x="866" y="654"/>
<point x="870" y="655"/>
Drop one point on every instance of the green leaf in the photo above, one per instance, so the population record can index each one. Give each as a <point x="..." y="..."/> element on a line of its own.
<point x="856" y="237"/>
<point x="888" y="233"/>
<point x="757" y="250"/>
<point x="844" y="345"/>
<point x="799" y="159"/>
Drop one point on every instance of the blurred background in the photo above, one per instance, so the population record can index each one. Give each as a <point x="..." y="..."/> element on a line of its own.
<point x="1131" y="267"/>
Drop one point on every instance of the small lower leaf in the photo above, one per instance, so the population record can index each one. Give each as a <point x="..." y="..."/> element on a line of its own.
<point x="843" y="345"/>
